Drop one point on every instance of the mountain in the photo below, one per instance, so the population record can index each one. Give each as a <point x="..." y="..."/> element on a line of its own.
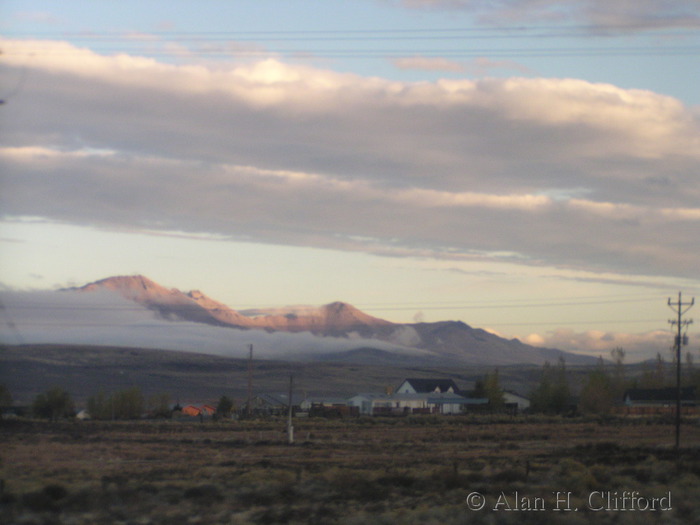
<point x="440" y="342"/>
<point x="336" y="319"/>
<point x="169" y="303"/>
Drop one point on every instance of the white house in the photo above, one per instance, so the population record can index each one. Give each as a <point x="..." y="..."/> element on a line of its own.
<point x="413" y="403"/>
<point x="515" y="400"/>
<point x="366" y="403"/>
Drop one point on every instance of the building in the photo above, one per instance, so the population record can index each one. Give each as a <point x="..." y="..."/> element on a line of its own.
<point x="515" y="402"/>
<point x="366" y="403"/>
<point x="309" y="402"/>
<point x="448" y="403"/>
<point x="274" y="404"/>
<point x="424" y="386"/>
<point x="401" y="404"/>
<point x="191" y="410"/>
<point x="329" y="407"/>
<point x="656" y="401"/>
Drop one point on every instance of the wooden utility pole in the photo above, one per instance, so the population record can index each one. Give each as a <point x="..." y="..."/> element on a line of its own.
<point x="250" y="381"/>
<point x="680" y="308"/>
<point x="290" y="427"/>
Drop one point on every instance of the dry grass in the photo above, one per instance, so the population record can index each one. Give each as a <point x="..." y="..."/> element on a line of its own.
<point x="417" y="470"/>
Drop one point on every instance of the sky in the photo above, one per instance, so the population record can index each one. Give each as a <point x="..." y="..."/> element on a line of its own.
<point x="527" y="167"/>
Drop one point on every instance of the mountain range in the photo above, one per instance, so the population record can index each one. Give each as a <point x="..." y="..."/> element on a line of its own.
<point x="444" y="342"/>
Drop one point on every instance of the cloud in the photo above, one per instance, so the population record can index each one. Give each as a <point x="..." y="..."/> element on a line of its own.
<point x="638" y="347"/>
<point x="556" y="172"/>
<point x="480" y="66"/>
<point x="428" y="64"/>
<point x="598" y="15"/>
<point x="39" y="17"/>
<point x="483" y="66"/>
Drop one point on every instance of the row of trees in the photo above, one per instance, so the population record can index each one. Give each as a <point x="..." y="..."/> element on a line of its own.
<point x="605" y="385"/>
<point x="601" y="389"/>
<point x="57" y="403"/>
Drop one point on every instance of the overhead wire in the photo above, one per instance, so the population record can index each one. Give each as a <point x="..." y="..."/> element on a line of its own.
<point x="390" y="306"/>
<point x="147" y="42"/>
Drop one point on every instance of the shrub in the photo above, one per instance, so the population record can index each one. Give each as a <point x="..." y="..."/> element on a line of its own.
<point x="46" y="500"/>
<point x="204" y="494"/>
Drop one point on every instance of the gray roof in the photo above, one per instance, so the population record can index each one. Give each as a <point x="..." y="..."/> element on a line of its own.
<point x="279" y="400"/>
<point x="448" y="398"/>
<point x="429" y="385"/>
<point x="660" y="395"/>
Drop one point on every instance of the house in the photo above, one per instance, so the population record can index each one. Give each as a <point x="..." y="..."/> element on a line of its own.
<point x="654" y="401"/>
<point x="448" y="403"/>
<point x="400" y="404"/>
<point x="201" y="411"/>
<point x="309" y="402"/>
<point x="366" y="403"/>
<point x="409" y="403"/>
<point x="329" y="407"/>
<point x="207" y="410"/>
<point x="191" y="410"/>
<point x="515" y="402"/>
<point x="424" y="386"/>
<point x="274" y="404"/>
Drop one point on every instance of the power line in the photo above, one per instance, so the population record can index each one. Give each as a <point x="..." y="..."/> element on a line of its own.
<point x="576" y="322"/>
<point x="357" y="53"/>
<point x="321" y="42"/>
<point x="485" y="305"/>
<point x="558" y="30"/>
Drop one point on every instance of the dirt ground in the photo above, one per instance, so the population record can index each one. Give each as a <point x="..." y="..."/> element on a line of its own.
<point x="365" y="471"/>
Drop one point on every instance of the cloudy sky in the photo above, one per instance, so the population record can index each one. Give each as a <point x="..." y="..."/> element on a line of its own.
<point x="529" y="167"/>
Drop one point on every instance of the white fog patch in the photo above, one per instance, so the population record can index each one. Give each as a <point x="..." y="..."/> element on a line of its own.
<point x="104" y="318"/>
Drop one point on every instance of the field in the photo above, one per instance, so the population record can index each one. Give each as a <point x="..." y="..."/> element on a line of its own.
<point x="414" y="470"/>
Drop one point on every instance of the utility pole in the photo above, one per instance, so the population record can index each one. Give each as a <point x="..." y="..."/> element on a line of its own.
<point x="250" y="381"/>
<point x="680" y="340"/>
<point x="290" y="427"/>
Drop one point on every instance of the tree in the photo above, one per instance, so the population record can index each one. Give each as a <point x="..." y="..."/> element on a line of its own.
<point x="541" y="395"/>
<point x="159" y="406"/>
<point x="597" y="392"/>
<point x="98" y="406"/>
<point x="124" y="404"/>
<point x="489" y="387"/>
<point x="561" y="394"/>
<point x="689" y="372"/>
<point x="128" y="404"/>
<point x="552" y="395"/>
<point x="54" y="404"/>
<point x="5" y="398"/>
<point x="619" y="383"/>
<point x="654" y="377"/>
<point x="225" y="407"/>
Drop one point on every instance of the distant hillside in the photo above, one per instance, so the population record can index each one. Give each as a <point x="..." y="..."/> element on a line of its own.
<point x="84" y="371"/>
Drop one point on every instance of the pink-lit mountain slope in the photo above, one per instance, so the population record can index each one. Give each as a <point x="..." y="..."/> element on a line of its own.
<point x="170" y="303"/>
<point x="334" y="319"/>
<point x="446" y="341"/>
